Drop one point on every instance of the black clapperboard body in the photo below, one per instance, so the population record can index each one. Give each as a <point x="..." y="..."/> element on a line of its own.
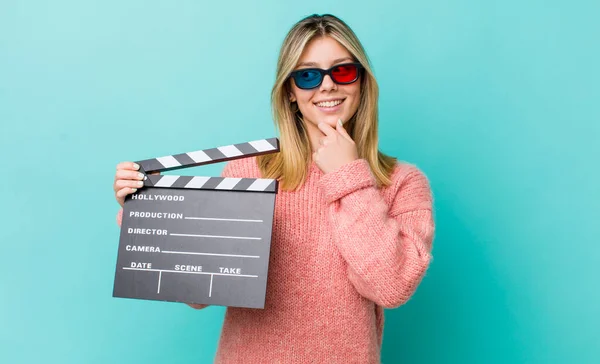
<point x="197" y="240"/>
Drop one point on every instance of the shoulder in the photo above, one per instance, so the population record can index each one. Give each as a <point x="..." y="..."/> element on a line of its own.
<point x="241" y="168"/>
<point x="405" y="173"/>
<point x="410" y="188"/>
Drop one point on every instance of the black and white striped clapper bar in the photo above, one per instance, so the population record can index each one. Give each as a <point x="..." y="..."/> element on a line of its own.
<point x="198" y="239"/>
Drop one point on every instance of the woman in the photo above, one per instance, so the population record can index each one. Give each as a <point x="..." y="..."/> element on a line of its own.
<point x="353" y="228"/>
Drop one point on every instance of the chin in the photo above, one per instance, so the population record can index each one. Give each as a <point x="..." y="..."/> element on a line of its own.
<point x="331" y="119"/>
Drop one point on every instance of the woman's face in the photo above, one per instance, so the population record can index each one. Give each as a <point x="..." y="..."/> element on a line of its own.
<point x="329" y="101"/>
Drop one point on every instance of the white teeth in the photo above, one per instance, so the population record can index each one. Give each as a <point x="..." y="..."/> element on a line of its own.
<point x="329" y="103"/>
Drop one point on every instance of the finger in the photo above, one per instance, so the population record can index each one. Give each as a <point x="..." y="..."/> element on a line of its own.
<point x="326" y="129"/>
<point x="127" y="174"/>
<point x="128" y="165"/>
<point x="124" y="192"/>
<point x="122" y="183"/>
<point x="340" y="128"/>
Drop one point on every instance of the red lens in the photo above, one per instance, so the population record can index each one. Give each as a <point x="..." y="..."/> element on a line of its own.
<point x="344" y="73"/>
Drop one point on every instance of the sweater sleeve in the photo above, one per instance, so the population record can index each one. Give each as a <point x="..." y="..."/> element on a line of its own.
<point x="387" y="246"/>
<point x="225" y="173"/>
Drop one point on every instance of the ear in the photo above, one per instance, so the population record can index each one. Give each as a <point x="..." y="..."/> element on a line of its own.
<point x="292" y="97"/>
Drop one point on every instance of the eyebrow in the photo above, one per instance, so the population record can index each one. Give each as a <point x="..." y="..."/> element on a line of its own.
<point x="313" y="64"/>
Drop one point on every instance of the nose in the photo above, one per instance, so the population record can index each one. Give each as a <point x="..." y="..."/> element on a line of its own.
<point x="328" y="84"/>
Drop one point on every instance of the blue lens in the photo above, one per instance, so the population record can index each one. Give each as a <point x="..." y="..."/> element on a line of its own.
<point x="307" y="78"/>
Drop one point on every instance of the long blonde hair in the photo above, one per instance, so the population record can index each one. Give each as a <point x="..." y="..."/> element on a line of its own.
<point x="290" y="165"/>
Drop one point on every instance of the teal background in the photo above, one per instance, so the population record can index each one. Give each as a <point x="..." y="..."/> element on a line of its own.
<point x="497" y="102"/>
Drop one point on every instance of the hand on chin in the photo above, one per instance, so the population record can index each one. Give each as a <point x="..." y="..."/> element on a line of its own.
<point x="336" y="147"/>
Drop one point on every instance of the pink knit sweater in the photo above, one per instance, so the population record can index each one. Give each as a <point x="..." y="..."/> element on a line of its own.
<point x="341" y="251"/>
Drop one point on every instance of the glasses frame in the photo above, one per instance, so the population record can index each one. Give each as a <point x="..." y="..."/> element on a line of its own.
<point x="325" y="72"/>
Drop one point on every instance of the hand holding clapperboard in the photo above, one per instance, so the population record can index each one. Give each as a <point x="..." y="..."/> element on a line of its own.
<point x="202" y="240"/>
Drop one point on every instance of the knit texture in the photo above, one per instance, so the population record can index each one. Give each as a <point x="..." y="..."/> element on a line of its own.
<point x="342" y="250"/>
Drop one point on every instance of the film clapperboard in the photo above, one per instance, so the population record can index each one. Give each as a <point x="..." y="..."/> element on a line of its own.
<point x="200" y="240"/>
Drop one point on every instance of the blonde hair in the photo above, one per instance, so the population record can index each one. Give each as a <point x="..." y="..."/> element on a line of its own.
<point x="290" y="165"/>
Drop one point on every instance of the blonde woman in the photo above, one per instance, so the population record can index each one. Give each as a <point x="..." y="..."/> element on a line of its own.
<point x="353" y="227"/>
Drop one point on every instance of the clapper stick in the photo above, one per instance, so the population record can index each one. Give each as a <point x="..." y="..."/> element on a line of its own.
<point x="208" y="156"/>
<point x="198" y="239"/>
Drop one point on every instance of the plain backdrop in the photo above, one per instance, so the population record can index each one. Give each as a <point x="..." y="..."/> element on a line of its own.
<point x="497" y="102"/>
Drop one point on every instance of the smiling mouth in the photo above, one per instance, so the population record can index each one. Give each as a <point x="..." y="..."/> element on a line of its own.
<point x="332" y="103"/>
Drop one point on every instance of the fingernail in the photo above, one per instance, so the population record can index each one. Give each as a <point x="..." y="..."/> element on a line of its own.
<point x="140" y="175"/>
<point x="140" y="183"/>
<point x="133" y="189"/>
<point x="340" y="122"/>
<point x="136" y="166"/>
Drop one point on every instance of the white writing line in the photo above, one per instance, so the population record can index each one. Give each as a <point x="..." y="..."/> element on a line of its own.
<point x="210" y="289"/>
<point x="178" y="271"/>
<point x="218" y="255"/>
<point x="159" y="276"/>
<point x="217" y="236"/>
<point x="217" y="219"/>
